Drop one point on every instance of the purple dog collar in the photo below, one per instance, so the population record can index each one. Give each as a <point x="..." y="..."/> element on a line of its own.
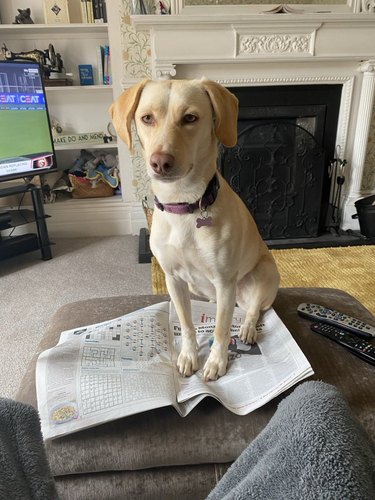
<point x="207" y="199"/>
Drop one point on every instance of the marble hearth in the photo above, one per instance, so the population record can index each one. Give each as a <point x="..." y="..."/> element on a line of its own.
<point x="242" y="49"/>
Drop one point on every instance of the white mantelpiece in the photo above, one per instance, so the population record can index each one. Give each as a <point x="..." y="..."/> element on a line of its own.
<point x="242" y="49"/>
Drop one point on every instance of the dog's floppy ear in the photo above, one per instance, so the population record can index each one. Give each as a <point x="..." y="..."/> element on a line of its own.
<point x="225" y="106"/>
<point x="123" y="109"/>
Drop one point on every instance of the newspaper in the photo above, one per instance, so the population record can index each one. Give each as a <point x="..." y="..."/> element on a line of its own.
<point x="127" y="365"/>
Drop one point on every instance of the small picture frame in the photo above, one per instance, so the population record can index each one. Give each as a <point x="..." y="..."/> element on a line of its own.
<point x="56" y="12"/>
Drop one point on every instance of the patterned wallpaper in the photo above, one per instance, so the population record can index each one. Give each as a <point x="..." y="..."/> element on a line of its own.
<point x="136" y="51"/>
<point x="136" y="65"/>
<point x="136" y="57"/>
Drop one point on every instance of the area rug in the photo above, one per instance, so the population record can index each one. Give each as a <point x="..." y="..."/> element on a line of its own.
<point x="351" y="269"/>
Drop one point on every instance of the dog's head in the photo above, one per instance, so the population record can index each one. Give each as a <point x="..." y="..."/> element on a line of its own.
<point x="179" y="123"/>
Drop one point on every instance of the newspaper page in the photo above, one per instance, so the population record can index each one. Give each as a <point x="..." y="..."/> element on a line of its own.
<point x="127" y="365"/>
<point x="106" y="371"/>
<point x="256" y="373"/>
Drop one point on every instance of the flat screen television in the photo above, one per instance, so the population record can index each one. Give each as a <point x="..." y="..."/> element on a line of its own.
<point x="26" y="144"/>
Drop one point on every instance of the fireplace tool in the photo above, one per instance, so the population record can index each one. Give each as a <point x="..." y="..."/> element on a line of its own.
<point x="336" y="170"/>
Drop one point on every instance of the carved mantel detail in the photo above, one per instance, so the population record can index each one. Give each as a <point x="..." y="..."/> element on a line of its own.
<point x="280" y="42"/>
<point x="164" y="71"/>
<point x="275" y="44"/>
<point x="367" y="66"/>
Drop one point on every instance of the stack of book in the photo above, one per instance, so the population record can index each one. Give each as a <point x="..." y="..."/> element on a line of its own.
<point x="93" y="11"/>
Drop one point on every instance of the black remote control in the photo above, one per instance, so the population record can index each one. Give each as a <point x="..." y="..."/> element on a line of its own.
<point x="359" y="347"/>
<point x="323" y="314"/>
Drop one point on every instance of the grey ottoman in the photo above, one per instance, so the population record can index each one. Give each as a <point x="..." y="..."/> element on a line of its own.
<point x="158" y="454"/>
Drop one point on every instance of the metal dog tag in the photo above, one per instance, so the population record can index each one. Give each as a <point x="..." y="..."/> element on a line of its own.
<point x="206" y="221"/>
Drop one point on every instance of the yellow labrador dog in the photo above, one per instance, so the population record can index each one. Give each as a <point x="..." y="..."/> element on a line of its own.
<point x="202" y="233"/>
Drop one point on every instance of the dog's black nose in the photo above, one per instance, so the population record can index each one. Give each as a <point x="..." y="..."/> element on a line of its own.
<point x="161" y="162"/>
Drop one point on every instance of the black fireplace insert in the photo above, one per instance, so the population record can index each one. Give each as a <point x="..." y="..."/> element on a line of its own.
<point x="279" y="167"/>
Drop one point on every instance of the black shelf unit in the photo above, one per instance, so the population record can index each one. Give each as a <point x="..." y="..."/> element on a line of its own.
<point x="15" y="245"/>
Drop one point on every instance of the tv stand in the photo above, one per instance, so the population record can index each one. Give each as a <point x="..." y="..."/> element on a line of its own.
<point x="15" y="245"/>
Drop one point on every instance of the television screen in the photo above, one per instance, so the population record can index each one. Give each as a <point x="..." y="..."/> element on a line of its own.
<point x="26" y="145"/>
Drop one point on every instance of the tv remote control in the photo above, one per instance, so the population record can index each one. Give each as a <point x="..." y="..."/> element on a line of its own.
<point x="323" y="314"/>
<point x="359" y="347"/>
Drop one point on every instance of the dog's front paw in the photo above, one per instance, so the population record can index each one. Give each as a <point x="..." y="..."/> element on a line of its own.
<point x="248" y="333"/>
<point x="187" y="362"/>
<point x="216" y="365"/>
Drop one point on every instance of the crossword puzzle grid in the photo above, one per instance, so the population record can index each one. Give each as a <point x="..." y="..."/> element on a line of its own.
<point x="100" y="391"/>
<point x="94" y="356"/>
<point x="100" y="333"/>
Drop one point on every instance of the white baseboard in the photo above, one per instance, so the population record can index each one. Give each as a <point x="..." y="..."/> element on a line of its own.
<point x="91" y="217"/>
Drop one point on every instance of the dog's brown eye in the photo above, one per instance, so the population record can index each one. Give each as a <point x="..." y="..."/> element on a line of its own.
<point x="148" y="119"/>
<point x="189" y="118"/>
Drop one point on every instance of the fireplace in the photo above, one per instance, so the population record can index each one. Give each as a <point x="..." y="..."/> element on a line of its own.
<point x="242" y="48"/>
<point x="280" y="165"/>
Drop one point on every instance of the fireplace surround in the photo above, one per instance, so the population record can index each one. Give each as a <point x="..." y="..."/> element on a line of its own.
<point x="240" y="47"/>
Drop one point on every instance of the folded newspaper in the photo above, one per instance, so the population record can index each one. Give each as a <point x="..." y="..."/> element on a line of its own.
<point x="127" y="365"/>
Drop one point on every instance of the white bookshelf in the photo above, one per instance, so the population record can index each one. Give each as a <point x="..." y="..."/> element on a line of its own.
<point x="78" y="109"/>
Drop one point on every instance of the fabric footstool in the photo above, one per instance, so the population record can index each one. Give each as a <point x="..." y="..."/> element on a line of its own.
<point x="158" y="454"/>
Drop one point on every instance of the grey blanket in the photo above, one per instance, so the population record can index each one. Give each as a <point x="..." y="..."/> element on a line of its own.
<point x="24" y="470"/>
<point x="312" y="448"/>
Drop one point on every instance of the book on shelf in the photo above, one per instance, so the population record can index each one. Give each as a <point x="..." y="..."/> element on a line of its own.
<point x="100" y="64"/>
<point x="107" y="79"/>
<point x="100" y="11"/>
<point x="86" y="76"/>
<point x="104" y="65"/>
<point x="93" y="11"/>
<point x="121" y="367"/>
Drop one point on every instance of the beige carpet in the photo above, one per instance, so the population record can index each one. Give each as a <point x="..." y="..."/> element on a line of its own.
<point x="32" y="290"/>
<point x="351" y="269"/>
